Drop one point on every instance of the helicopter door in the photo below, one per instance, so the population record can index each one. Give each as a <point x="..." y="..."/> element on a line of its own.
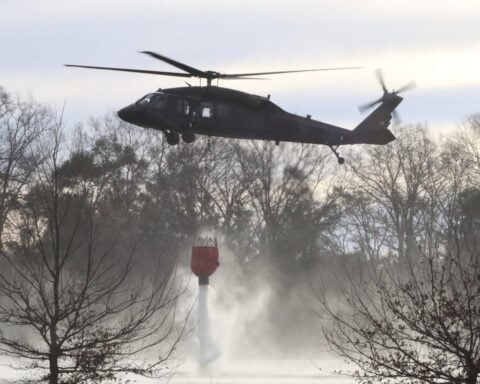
<point x="186" y="112"/>
<point x="223" y="111"/>
<point x="183" y="107"/>
<point x="205" y="121"/>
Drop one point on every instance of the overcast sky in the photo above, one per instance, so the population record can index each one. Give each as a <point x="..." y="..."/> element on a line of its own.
<point x="436" y="43"/>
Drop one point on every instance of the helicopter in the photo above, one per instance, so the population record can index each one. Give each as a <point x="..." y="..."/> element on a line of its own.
<point x="216" y="111"/>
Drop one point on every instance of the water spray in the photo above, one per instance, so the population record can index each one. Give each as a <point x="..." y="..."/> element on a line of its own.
<point x="204" y="263"/>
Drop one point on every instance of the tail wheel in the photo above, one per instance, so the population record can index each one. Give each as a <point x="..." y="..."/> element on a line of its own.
<point x="340" y="159"/>
<point x="172" y="138"/>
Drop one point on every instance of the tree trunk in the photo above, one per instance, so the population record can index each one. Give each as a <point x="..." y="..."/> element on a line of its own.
<point x="472" y="372"/>
<point x="471" y="378"/>
<point x="53" y="377"/>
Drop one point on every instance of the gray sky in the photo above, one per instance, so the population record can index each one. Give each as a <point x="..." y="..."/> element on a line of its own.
<point x="436" y="43"/>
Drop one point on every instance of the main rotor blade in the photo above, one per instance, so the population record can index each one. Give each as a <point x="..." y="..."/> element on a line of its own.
<point x="176" y="74"/>
<point x="240" y="75"/>
<point x="184" y="67"/>
<point x="241" y="78"/>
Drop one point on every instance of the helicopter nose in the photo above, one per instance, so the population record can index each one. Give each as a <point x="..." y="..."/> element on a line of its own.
<point x="125" y="114"/>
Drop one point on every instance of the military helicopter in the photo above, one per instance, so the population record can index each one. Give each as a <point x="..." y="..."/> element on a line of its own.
<point x="216" y="111"/>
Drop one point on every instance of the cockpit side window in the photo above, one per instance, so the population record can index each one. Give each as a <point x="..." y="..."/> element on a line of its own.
<point x="159" y="102"/>
<point x="206" y="110"/>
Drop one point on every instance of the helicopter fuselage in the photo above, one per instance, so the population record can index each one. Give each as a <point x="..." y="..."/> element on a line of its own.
<point x="225" y="112"/>
<point x="216" y="111"/>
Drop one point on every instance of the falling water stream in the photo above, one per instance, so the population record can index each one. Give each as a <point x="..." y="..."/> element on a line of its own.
<point x="208" y="350"/>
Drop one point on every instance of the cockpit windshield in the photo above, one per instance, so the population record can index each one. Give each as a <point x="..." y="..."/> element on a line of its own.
<point x="146" y="99"/>
<point x="156" y="99"/>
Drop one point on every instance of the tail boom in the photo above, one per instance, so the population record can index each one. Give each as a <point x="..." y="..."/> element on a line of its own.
<point x="374" y="128"/>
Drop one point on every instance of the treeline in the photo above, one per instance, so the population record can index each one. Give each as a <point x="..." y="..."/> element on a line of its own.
<point x="410" y="312"/>
<point x="78" y="203"/>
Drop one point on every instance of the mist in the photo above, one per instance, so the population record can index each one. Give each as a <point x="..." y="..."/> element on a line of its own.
<point x="100" y="233"/>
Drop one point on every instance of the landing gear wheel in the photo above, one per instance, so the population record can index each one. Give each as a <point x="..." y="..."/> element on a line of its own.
<point x="340" y="159"/>
<point x="188" y="137"/>
<point x="172" y="138"/>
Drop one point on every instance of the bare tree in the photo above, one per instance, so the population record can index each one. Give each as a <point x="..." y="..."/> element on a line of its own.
<point x="414" y="319"/>
<point x="278" y="181"/>
<point x="21" y="124"/>
<point x="223" y="192"/>
<point x="415" y="325"/>
<point x="73" y="303"/>
<point x="467" y="142"/>
<point x="387" y="200"/>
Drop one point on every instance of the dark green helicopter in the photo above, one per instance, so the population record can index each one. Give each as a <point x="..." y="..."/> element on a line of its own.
<point x="216" y="111"/>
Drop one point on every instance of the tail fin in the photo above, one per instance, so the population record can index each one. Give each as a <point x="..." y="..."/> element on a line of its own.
<point x="374" y="128"/>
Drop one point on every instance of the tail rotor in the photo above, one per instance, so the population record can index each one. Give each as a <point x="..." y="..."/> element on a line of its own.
<point x="387" y="96"/>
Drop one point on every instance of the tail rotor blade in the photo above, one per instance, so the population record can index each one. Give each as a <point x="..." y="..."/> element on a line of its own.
<point x="407" y="87"/>
<point x="388" y="96"/>
<point x="365" y="107"/>
<point x="379" y="74"/>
